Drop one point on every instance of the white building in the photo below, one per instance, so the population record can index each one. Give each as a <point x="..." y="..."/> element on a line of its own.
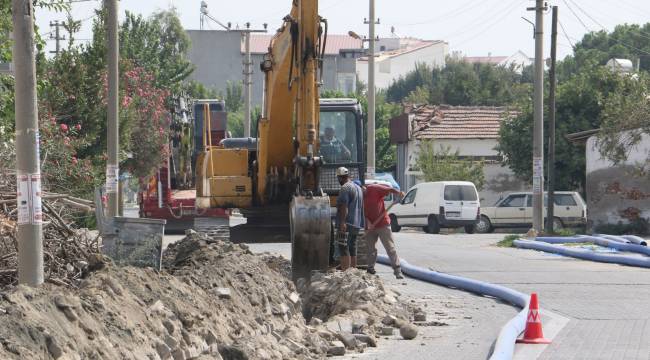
<point x="472" y="130"/>
<point x="396" y="57"/>
<point x="518" y="60"/>
<point x="615" y="193"/>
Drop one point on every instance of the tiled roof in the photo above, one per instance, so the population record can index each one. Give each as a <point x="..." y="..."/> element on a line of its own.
<point x="335" y="43"/>
<point x="458" y="122"/>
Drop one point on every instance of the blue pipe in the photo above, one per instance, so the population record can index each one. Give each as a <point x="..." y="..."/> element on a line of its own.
<point x="505" y="344"/>
<point x="598" y="240"/>
<point x="613" y="237"/>
<point x="583" y="254"/>
<point x="635" y="240"/>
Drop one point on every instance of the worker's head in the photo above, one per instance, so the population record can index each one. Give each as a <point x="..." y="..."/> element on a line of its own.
<point x="329" y="133"/>
<point x="343" y="174"/>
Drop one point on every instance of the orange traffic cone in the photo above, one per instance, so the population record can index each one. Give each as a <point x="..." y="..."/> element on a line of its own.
<point x="533" y="333"/>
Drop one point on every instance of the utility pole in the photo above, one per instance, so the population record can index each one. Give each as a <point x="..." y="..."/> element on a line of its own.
<point x="112" y="166"/>
<point x="370" y="172"/>
<point x="56" y="37"/>
<point x="248" y="81"/>
<point x="550" y="213"/>
<point x="28" y="171"/>
<point x="538" y="122"/>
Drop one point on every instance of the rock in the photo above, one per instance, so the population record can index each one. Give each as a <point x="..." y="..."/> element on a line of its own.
<point x="169" y="326"/>
<point x="223" y="293"/>
<point x="358" y="328"/>
<point x="336" y="349"/>
<point x="348" y="339"/>
<point x="214" y="352"/>
<point x="315" y="321"/>
<point x="210" y="337"/>
<point x="53" y="347"/>
<point x="294" y="298"/>
<point x="179" y="354"/>
<point x="190" y="232"/>
<point x="171" y="342"/>
<point x="398" y="323"/>
<point x="387" y="331"/>
<point x="420" y="316"/>
<point x="163" y="350"/>
<point x="367" y="339"/>
<point x="388" y="320"/>
<point x="192" y="352"/>
<point x="280" y="309"/>
<point x="230" y="352"/>
<point x="408" y="332"/>
<point x="70" y="314"/>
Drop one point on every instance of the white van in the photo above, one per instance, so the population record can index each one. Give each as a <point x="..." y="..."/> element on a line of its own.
<point x="435" y="205"/>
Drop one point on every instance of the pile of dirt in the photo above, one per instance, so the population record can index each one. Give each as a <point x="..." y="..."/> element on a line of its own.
<point x="352" y="296"/>
<point x="212" y="300"/>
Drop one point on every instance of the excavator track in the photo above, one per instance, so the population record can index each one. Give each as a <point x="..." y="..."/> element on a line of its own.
<point x="216" y="227"/>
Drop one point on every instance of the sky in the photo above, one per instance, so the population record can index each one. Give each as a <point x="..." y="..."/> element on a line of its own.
<point x="473" y="27"/>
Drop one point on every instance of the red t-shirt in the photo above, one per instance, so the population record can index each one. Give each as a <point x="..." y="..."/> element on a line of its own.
<point x="373" y="205"/>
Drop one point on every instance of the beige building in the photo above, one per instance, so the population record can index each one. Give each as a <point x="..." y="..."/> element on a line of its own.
<point x="472" y="130"/>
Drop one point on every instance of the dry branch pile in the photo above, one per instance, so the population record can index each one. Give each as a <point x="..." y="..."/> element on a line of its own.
<point x="68" y="251"/>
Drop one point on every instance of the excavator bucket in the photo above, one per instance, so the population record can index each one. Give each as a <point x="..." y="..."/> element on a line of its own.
<point x="310" y="222"/>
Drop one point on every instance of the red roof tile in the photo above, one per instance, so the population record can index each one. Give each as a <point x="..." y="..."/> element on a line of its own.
<point x="335" y="43"/>
<point x="458" y="122"/>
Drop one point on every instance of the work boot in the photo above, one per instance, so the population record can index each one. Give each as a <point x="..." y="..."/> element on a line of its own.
<point x="398" y="273"/>
<point x="371" y="271"/>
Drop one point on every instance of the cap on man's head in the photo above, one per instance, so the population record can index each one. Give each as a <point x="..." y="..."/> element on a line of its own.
<point x="342" y="171"/>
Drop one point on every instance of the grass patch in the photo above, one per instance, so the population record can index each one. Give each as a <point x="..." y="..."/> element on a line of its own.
<point x="560" y="233"/>
<point x="508" y="241"/>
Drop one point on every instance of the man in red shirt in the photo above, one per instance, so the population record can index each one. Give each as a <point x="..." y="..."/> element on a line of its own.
<point x="378" y="226"/>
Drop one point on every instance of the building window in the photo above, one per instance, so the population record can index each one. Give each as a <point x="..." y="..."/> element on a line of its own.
<point x="382" y="48"/>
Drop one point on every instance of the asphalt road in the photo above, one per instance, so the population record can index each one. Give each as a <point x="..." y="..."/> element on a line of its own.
<point x="606" y="305"/>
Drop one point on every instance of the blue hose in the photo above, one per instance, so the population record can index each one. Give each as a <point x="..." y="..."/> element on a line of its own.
<point x="505" y="343"/>
<point x="600" y="240"/>
<point x="583" y="254"/>
<point x="635" y="240"/>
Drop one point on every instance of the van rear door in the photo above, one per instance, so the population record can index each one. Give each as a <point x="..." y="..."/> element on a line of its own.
<point x="461" y="202"/>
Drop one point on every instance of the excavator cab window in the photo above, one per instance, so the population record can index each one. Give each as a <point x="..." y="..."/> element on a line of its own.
<point x="338" y="137"/>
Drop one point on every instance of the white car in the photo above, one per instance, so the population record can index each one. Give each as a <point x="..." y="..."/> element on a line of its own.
<point x="516" y="210"/>
<point x="436" y="205"/>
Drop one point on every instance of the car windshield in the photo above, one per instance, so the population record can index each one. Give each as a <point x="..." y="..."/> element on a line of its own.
<point x="460" y="193"/>
<point x="338" y="137"/>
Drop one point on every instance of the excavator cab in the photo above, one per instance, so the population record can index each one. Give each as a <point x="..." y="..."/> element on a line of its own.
<point x="340" y="142"/>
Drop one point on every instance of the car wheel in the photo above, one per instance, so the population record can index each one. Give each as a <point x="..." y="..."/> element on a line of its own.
<point x="433" y="225"/>
<point x="394" y="226"/>
<point x="483" y="226"/>
<point x="557" y="225"/>
<point x="469" y="229"/>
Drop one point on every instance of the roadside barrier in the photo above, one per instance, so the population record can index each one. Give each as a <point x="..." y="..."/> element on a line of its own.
<point x="505" y="344"/>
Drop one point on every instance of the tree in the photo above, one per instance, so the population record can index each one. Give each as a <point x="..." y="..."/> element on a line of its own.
<point x="579" y="107"/>
<point x="461" y="83"/>
<point x="626" y="119"/>
<point x="443" y="164"/>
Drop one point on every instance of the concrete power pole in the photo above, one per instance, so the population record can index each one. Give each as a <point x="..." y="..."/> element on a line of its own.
<point x="248" y="82"/>
<point x="112" y="166"/>
<point x="370" y="172"/>
<point x="538" y="119"/>
<point x="28" y="171"/>
<point x="56" y="36"/>
<point x="550" y="213"/>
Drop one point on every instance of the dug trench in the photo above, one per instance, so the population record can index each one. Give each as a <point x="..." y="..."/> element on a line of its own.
<point x="212" y="300"/>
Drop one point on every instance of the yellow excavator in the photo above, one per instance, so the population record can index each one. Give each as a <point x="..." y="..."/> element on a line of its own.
<point x="282" y="180"/>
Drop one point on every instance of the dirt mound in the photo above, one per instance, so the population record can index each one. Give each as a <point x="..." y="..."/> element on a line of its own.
<point x="354" y="294"/>
<point x="215" y="300"/>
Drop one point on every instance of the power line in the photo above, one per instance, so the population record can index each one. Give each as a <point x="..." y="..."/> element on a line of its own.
<point x="603" y="28"/>
<point x="641" y="33"/>
<point x="565" y="34"/>
<point x="443" y="17"/>
<point x="512" y="6"/>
